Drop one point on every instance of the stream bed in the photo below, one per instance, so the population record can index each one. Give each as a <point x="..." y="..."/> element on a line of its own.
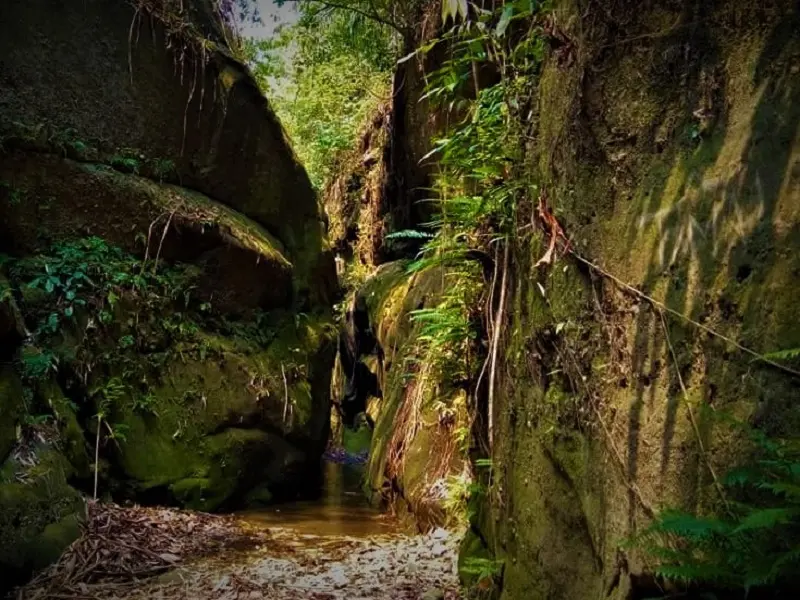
<point x="337" y="547"/>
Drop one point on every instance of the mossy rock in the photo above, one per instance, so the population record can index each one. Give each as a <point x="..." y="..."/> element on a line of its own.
<point x="72" y="436"/>
<point x="11" y="408"/>
<point x="357" y="441"/>
<point x="215" y="130"/>
<point x="433" y="453"/>
<point x="39" y="513"/>
<point x="240" y="265"/>
<point x="218" y="428"/>
<point x="12" y="325"/>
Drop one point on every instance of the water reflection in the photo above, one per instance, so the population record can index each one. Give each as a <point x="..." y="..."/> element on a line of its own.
<point x="341" y="510"/>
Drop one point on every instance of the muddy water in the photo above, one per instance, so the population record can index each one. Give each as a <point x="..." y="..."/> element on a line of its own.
<point x="341" y="510"/>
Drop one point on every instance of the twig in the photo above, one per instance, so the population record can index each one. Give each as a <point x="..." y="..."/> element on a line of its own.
<point x="147" y="245"/>
<point x="285" y="394"/>
<point x="490" y="326"/>
<point x="97" y="453"/>
<point x="163" y="236"/>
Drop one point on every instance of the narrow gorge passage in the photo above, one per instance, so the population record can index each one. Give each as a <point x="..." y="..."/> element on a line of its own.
<point x="399" y="299"/>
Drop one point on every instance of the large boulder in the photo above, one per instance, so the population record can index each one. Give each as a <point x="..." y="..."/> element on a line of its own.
<point x="166" y="273"/>
<point x="416" y="459"/>
<point x="39" y="511"/>
<point x="135" y="85"/>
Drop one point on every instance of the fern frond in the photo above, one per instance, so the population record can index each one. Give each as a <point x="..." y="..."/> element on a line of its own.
<point x="766" y="518"/>
<point x="790" y="354"/>
<point x="409" y="234"/>
<point x="690" y="526"/>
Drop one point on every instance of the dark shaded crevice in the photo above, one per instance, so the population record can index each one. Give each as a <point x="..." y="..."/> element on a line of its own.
<point x="356" y="340"/>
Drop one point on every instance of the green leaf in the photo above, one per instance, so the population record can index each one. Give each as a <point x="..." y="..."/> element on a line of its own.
<point x="766" y="518"/>
<point x="505" y="20"/>
<point x="454" y="9"/>
<point x="784" y="354"/>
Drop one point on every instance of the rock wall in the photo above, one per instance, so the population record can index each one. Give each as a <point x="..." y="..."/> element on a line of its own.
<point x="165" y="274"/>
<point x="668" y="145"/>
<point x="420" y="442"/>
<point x="666" y="142"/>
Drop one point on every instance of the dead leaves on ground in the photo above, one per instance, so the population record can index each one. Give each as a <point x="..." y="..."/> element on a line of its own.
<point x="125" y="545"/>
<point x="155" y="553"/>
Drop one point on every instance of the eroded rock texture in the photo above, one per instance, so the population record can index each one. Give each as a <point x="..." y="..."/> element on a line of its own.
<point x="165" y="278"/>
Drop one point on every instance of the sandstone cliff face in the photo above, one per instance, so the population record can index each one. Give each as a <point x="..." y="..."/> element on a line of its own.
<point x="667" y="142"/>
<point x="165" y="267"/>
<point x="671" y="159"/>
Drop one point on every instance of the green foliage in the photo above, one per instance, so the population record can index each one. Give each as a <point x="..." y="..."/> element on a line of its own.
<point x="409" y="234"/>
<point x="162" y="168"/>
<point x="128" y="160"/>
<point x="339" y="72"/>
<point x="81" y="285"/>
<point x="446" y="331"/>
<point x="31" y="420"/>
<point x="479" y="184"/>
<point x="145" y="403"/>
<point x="754" y="544"/>
<point x="485" y="570"/>
<point x="791" y="354"/>
<point x="36" y="366"/>
<point x="107" y="395"/>
<point x="86" y="274"/>
<point x="462" y="494"/>
<point x="13" y="195"/>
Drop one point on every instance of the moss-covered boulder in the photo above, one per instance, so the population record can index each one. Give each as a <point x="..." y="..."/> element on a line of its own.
<point x="12" y="409"/>
<point x="12" y="324"/>
<point x="241" y="266"/>
<point x="223" y="418"/>
<point x="418" y="452"/>
<point x="155" y="90"/>
<point x="40" y="512"/>
<point x="167" y="265"/>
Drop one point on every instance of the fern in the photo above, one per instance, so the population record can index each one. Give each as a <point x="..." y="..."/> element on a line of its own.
<point x="409" y="234"/>
<point x="755" y="545"/>
<point x="784" y="354"/>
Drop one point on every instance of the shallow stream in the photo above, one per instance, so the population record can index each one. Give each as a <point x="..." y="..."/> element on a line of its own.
<point x="342" y="509"/>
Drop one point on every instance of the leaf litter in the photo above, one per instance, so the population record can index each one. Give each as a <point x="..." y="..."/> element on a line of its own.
<point x="136" y="553"/>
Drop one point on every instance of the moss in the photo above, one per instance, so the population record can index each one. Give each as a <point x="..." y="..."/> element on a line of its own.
<point x="198" y="493"/>
<point x="260" y="496"/>
<point x="55" y="538"/>
<point x="472" y="551"/>
<point x="38" y="517"/>
<point x="73" y="440"/>
<point x="203" y="432"/>
<point x="357" y="441"/>
<point x="11" y="409"/>
<point x="433" y="452"/>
